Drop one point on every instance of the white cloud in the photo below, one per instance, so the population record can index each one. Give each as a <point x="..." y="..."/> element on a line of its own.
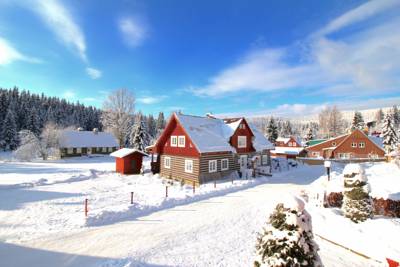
<point x="148" y="100"/>
<point x="69" y="94"/>
<point x="60" y="20"/>
<point x="363" y="63"/>
<point x="9" y="54"/>
<point x="93" y="73"/>
<point x="132" y="30"/>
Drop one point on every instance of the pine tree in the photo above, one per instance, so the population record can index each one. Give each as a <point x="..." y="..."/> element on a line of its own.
<point x="379" y="116"/>
<point x="151" y="126"/>
<point x="396" y="117"/>
<point x="33" y="122"/>
<point x="272" y="130"/>
<point x="389" y="135"/>
<point x="357" y="204"/>
<point x="160" y="125"/>
<point x="287" y="130"/>
<point x="358" y="121"/>
<point x="287" y="239"/>
<point x="9" y="134"/>
<point x="139" y="137"/>
<point x="3" y="106"/>
<point x="310" y="134"/>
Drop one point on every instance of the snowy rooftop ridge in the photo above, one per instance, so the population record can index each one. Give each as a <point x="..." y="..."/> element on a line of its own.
<point x="123" y="152"/>
<point x="212" y="134"/>
<point x="79" y="139"/>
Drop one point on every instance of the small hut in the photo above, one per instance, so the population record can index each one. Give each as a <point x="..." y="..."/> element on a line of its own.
<point x="128" y="160"/>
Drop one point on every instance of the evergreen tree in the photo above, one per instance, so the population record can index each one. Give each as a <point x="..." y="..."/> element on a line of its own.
<point x="396" y="117"/>
<point x="9" y="134"/>
<point x="389" y="135"/>
<point x="287" y="130"/>
<point x="151" y="126"/>
<point x="33" y="122"/>
<point x="3" y="106"/>
<point x="357" y="204"/>
<point x="310" y="134"/>
<point x="358" y="121"/>
<point x="379" y="116"/>
<point x="287" y="239"/>
<point x="272" y="130"/>
<point x="160" y="125"/>
<point x="139" y="137"/>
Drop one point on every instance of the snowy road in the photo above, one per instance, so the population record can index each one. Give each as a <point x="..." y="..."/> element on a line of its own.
<point x="219" y="231"/>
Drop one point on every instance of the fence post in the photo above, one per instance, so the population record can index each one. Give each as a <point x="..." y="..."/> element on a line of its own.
<point x="194" y="187"/>
<point x="86" y="207"/>
<point x="131" y="198"/>
<point x="166" y="191"/>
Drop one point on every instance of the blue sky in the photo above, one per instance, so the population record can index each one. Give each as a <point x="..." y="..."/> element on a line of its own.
<point x="227" y="57"/>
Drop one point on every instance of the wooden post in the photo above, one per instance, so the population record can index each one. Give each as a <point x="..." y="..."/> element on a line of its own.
<point x="131" y="198"/>
<point x="86" y="207"/>
<point x="194" y="187"/>
<point x="166" y="191"/>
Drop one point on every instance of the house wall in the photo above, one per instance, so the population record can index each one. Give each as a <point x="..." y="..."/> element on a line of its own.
<point x="291" y="140"/>
<point x="85" y="151"/>
<point x="357" y="152"/>
<point x="177" y="169"/>
<point x="206" y="176"/>
<point x="320" y="147"/>
<point x="243" y="132"/>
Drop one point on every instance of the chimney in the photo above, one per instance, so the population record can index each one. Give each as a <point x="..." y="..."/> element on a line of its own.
<point x="95" y="130"/>
<point x="210" y="115"/>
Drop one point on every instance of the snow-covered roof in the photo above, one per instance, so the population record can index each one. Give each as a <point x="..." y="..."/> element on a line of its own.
<point x="207" y="134"/>
<point x="260" y="142"/>
<point x="287" y="150"/>
<point x="283" y="139"/>
<point x="377" y="140"/>
<point x="123" y="152"/>
<point x="79" y="139"/>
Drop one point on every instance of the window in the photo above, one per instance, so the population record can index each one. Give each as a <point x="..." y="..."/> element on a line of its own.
<point x="242" y="141"/>
<point x="189" y="165"/>
<point x="315" y="154"/>
<point x="212" y="166"/>
<point x="333" y="143"/>
<point x="290" y="143"/>
<point x="224" y="164"/>
<point x="344" y="155"/>
<point x="264" y="159"/>
<point x="361" y="145"/>
<point x="354" y="144"/>
<point x="167" y="162"/>
<point x="181" y="141"/>
<point x="293" y="143"/>
<point x="79" y="150"/>
<point x="242" y="126"/>
<point x="174" y="140"/>
<point x="70" y="150"/>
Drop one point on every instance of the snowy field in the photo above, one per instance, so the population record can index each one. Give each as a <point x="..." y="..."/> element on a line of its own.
<point x="42" y="218"/>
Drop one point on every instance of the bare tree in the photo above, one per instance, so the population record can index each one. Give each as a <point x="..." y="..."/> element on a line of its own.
<point x="330" y="122"/>
<point x="118" y="114"/>
<point x="50" y="141"/>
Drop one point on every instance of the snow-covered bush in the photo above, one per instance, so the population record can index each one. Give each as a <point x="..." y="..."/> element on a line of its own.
<point x="357" y="203"/>
<point x="29" y="147"/>
<point x="287" y="238"/>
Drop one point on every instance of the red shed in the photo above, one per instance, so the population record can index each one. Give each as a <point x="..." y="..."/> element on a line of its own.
<point x="128" y="160"/>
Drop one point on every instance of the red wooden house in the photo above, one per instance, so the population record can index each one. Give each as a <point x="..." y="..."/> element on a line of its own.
<point x="200" y="149"/>
<point x="128" y="161"/>
<point x="288" y="148"/>
<point x="356" y="145"/>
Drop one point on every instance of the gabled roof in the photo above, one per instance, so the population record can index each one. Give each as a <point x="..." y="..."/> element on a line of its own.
<point x="79" y="139"/>
<point x="328" y="140"/>
<point x="207" y="134"/>
<point x="260" y="142"/>
<point x="358" y="130"/>
<point x="283" y="139"/>
<point x="123" y="152"/>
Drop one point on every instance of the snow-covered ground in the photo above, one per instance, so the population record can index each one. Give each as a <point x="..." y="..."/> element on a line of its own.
<point x="42" y="217"/>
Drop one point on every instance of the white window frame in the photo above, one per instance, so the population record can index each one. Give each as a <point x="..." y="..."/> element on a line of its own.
<point x="242" y="126"/>
<point x="222" y="164"/>
<point x="70" y="150"/>
<point x="361" y="145"/>
<point x="212" y="166"/>
<point x="241" y="139"/>
<point x="180" y="138"/>
<point x="167" y="162"/>
<point x="290" y="143"/>
<point x="264" y="159"/>
<point x="353" y="144"/>
<point x="78" y="150"/>
<point x="174" y="140"/>
<point x="188" y="165"/>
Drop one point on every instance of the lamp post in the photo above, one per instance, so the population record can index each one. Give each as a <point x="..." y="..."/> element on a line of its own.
<point x="327" y="165"/>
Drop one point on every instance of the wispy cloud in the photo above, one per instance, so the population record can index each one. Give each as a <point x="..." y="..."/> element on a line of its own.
<point x="365" y="62"/>
<point x="61" y="22"/>
<point x="69" y="94"/>
<point x="93" y="73"/>
<point x="9" y="54"/>
<point x="151" y="100"/>
<point x="133" y="31"/>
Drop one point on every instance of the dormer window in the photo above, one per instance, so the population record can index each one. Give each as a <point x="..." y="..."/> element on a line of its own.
<point x="242" y="141"/>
